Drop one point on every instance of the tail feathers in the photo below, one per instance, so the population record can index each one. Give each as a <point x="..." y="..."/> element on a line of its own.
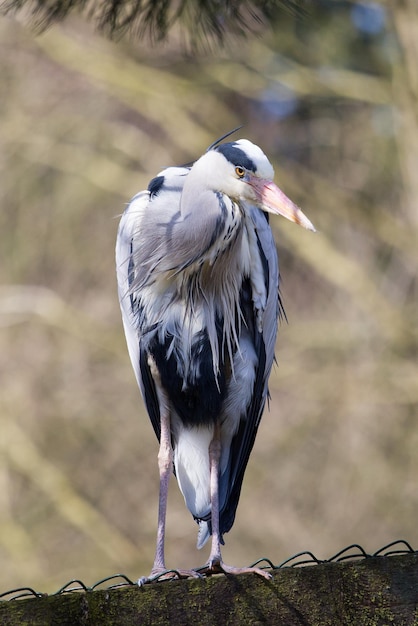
<point x="203" y="534"/>
<point x="191" y="462"/>
<point x="205" y="531"/>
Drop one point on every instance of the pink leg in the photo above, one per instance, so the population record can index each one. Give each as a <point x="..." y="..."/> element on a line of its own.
<point x="165" y="465"/>
<point x="215" y="563"/>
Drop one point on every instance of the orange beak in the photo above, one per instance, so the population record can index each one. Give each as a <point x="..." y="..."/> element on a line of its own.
<point x="273" y="200"/>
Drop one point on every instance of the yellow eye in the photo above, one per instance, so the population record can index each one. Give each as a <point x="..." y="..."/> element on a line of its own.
<point x="240" y="171"/>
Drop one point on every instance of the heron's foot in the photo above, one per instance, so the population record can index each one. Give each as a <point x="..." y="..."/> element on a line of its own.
<point x="219" y="567"/>
<point x="160" y="573"/>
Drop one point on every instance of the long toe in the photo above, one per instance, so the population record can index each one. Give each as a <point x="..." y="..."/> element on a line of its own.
<point x="219" y="567"/>
<point x="230" y="569"/>
<point x="161" y="574"/>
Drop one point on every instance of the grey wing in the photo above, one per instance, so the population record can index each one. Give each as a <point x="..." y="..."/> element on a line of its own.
<point x="125" y="273"/>
<point x="129" y="229"/>
<point x="133" y="247"/>
<point x="262" y="321"/>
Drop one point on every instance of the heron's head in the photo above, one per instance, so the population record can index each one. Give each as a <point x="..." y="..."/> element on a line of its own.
<point x="241" y="170"/>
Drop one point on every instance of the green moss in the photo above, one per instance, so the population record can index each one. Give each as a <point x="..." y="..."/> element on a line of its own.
<point x="373" y="592"/>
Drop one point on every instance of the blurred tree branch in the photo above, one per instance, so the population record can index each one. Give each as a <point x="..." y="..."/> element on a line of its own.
<point x="22" y="455"/>
<point x="405" y="94"/>
<point x="203" y="20"/>
<point x="303" y="79"/>
<point x="21" y="302"/>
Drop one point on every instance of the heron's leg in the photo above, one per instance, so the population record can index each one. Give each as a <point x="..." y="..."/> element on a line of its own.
<point x="215" y="563"/>
<point x="165" y="465"/>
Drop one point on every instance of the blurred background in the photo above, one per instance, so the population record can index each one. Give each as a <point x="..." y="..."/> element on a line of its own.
<point x="331" y="95"/>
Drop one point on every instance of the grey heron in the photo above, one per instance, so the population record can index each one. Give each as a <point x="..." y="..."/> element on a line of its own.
<point x="198" y="283"/>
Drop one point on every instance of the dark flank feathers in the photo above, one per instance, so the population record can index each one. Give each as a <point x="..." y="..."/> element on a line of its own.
<point x="198" y="397"/>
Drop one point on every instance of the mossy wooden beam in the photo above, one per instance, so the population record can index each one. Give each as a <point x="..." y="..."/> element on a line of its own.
<point x="376" y="591"/>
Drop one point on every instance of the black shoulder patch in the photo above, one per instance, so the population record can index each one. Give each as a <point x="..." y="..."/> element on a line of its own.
<point x="235" y="155"/>
<point x="155" y="185"/>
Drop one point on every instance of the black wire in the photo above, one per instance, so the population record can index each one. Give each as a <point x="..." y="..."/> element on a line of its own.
<point x="352" y="552"/>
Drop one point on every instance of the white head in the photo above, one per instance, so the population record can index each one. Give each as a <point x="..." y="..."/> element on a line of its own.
<point x="241" y="170"/>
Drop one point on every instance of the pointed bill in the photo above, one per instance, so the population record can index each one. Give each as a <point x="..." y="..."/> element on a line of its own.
<point x="273" y="200"/>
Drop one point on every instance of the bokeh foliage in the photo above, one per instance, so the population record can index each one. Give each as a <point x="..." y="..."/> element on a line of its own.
<point x="332" y="97"/>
